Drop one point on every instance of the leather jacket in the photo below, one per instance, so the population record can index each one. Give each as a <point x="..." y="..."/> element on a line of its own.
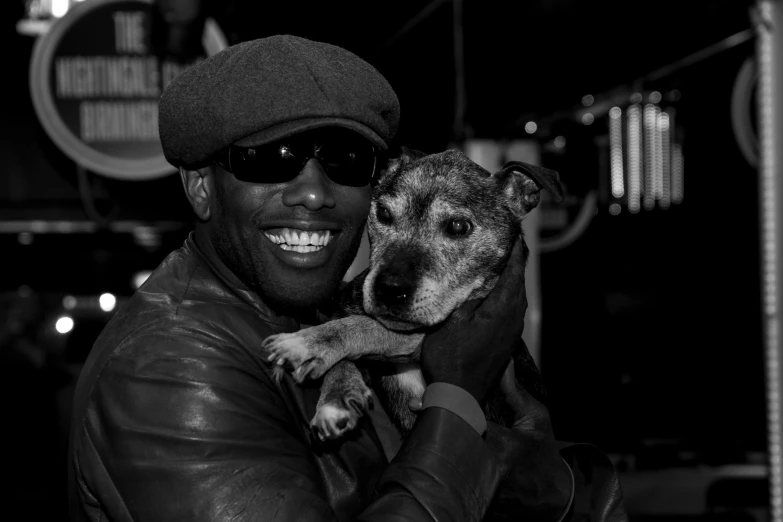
<point x="176" y="417"/>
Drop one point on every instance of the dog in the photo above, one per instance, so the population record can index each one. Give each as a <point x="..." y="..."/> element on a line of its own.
<point x="441" y="229"/>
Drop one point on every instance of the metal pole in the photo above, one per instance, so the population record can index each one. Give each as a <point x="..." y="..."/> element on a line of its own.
<point x="769" y="54"/>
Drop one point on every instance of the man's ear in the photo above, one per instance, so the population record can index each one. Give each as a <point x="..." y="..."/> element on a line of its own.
<point x="198" y="185"/>
<point x="522" y="183"/>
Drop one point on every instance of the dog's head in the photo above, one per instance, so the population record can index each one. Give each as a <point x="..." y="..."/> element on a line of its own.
<point x="441" y="228"/>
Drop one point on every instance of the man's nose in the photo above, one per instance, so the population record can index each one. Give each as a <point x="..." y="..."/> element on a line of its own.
<point x="311" y="188"/>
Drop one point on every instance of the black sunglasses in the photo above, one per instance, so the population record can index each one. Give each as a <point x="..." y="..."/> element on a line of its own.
<point x="347" y="159"/>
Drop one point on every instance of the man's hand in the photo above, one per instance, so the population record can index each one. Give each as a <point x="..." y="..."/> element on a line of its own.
<point x="473" y="346"/>
<point x="537" y="483"/>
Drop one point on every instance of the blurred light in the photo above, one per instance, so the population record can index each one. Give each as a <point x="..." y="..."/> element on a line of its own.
<point x="648" y="200"/>
<point x="666" y="157"/>
<point x="636" y="97"/>
<point x="587" y="100"/>
<point x="107" y="302"/>
<point x="531" y="127"/>
<point x="588" y="118"/>
<point x="768" y="45"/>
<point x="64" y="324"/>
<point x="146" y="237"/>
<point x="59" y="7"/>
<point x="139" y="278"/>
<point x="25" y="238"/>
<point x="616" y="151"/>
<point x="657" y="155"/>
<point x="677" y="173"/>
<point x="560" y="142"/>
<point x="69" y="302"/>
<point x="614" y="209"/>
<point x="655" y="97"/>
<point x="634" y="120"/>
<point x="674" y="95"/>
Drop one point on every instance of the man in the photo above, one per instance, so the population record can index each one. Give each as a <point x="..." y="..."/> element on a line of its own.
<point x="176" y="416"/>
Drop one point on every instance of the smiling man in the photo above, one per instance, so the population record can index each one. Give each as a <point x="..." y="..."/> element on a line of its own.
<point x="176" y="415"/>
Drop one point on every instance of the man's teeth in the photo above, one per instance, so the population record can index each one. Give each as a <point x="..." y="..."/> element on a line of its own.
<point x="300" y="240"/>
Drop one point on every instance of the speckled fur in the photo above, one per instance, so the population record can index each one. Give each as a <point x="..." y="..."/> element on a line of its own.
<point x="421" y="195"/>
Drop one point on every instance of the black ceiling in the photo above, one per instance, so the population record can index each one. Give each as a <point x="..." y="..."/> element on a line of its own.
<point x="520" y="57"/>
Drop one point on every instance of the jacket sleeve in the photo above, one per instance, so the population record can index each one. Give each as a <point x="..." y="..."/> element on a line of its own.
<point x="598" y="495"/>
<point x="444" y="471"/>
<point x="189" y="432"/>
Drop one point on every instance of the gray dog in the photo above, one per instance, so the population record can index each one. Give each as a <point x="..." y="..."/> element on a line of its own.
<point x="441" y="229"/>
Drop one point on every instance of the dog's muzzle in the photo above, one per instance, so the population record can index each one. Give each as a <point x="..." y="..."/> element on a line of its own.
<point x="395" y="284"/>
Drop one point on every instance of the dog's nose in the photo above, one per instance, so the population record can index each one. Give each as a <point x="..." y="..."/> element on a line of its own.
<point x="393" y="289"/>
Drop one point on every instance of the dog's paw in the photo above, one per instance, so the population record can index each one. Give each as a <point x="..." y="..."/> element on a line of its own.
<point x="292" y="350"/>
<point x="333" y="419"/>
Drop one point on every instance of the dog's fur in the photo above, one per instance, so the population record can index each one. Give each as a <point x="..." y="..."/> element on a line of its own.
<point x="421" y="269"/>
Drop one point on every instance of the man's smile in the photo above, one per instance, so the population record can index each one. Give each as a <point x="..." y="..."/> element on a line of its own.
<point x="299" y="240"/>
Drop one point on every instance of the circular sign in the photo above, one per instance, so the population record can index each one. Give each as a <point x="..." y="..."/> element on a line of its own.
<point x="95" y="86"/>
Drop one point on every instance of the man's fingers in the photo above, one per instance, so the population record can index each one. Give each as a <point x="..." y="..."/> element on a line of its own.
<point x="517" y="401"/>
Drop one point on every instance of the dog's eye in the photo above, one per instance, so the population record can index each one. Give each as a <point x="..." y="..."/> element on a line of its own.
<point x="459" y="227"/>
<point x="383" y="214"/>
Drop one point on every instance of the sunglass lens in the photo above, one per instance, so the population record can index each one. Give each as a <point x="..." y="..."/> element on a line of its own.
<point x="272" y="164"/>
<point x="347" y="165"/>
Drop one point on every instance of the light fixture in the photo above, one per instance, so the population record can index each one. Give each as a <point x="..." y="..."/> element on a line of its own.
<point x="107" y="302"/>
<point x="64" y="324"/>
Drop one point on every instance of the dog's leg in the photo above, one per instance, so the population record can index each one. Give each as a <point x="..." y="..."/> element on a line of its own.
<point x="397" y="390"/>
<point x="312" y="351"/>
<point x="344" y="398"/>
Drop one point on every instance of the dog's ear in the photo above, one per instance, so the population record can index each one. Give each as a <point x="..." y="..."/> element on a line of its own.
<point x="522" y="183"/>
<point x="391" y="159"/>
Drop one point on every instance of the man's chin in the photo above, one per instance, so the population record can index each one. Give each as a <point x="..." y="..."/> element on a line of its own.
<point x="298" y="300"/>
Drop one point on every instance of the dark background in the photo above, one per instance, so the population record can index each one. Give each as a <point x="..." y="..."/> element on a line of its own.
<point x="651" y="335"/>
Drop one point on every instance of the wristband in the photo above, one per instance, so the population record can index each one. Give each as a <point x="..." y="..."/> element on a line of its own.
<point x="456" y="400"/>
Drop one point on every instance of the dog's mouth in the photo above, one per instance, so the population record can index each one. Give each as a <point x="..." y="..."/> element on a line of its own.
<point x="302" y="241"/>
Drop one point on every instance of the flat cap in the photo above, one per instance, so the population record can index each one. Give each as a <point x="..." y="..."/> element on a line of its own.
<point x="263" y="90"/>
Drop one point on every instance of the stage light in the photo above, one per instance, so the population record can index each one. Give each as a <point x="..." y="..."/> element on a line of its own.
<point x="25" y="238"/>
<point x="614" y="209"/>
<point x="139" y="278"/>
<point x="587" y="100"/>
<point x="64" y="324"/>
<point x="657" y="156"/>
<point x="666" y="157"/>
<point x="107" y="302"/>
<point x="648" y="200"/>
<point x="655" y="97"/>
<point x="588" y="118"/>
<point x="59" y="8"/>
<point x="531" y="127"/>
<point x="678" y="184"/>
<point x="69" y="302"/>
<point x="634" y="124"/>
<point x="616" y="151"/>
<point x="636" y="98"/>
<point x="560" y="142"/>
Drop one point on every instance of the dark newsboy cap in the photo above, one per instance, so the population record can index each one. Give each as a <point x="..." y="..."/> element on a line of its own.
<point x="267" y="89"/>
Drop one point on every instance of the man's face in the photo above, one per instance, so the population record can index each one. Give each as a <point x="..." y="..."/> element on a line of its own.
<point x="289" y="241"/>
